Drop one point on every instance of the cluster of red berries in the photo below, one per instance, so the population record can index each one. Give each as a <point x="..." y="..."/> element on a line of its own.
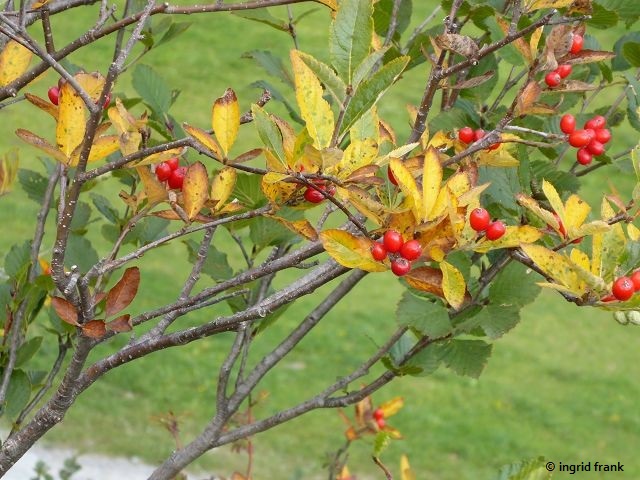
<point x="469" y="135"/>
<point x="553" y="79"/>
<point x="314" y="195"/>
<point x="402" y="253"/>
<point x="378" y="417"/>
<point x="623" y="288"/>
<point x="171" y="172"/>
<point x="480" y="221"/>
<point x="590" y="140"/>
<point x="54" y="95"/>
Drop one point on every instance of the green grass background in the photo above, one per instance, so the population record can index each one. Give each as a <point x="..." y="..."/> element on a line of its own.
<point x="562" y="384"/>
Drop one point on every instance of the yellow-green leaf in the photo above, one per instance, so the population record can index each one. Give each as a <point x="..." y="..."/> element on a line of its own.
<point x="431" y="180"/>
<point x="314" y="109"/>
<point x="195" y="189"/>
<point x="8" y="170"/>
<point x="513" y="237"/>
<point x="555" y="266"/>
<point x="358" y="154"/>
<point x="204" y="139"/>
<point x="14" y="61"/>
<point x="408" y="185"/>
<point x="153" y="189"/>
<point x="300" y="227"/>
<point x="226" y="120"/>
<point x="453" y="285"/>
<point x="540" y="4"/>
<point x="554" y="199"/>
<point x="42" y="144"/>
<point x="545" y="215"/>
<point x="350" y="251"/>
<point x="222" y="186"/>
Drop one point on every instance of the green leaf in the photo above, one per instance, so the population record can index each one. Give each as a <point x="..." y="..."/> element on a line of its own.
<point x="175" y="29"/>
<point x="18" y="393"/>
<point x="371" y="90"/>
<point x="532" y="469"/>
<point x="365" y="67"/>
<point x="381" y="442"/>
<point x="350" y="36"/>
<point x="382" y="17"/>
<point x="28" y="350"/>
<point x="496" y="320"/>
<point x="271" y="64"/>
<point x="429" y="359"/>
<point x="514" y="286"/>
<point x="216" y="264"/>
<point x="633" y="114"/>
<point x="81" y="218"/>
<point x="103" y="205"/>
<point x="631" y="52"/>
<point x="81" y="253"/>
<point x="509" y="53"/>
<point x="429" y="318"/>
<point x="278" y="97"/>
<point x="619" y="62"/>
<point x="466" y="357"/>
<point x="248" y="191"/>
<point x="502" y="189"/>
<point x="5" y="299"/>
<point x="33" y="183"/>
<point x="332" y="83"/>
<point x="602" y="18"/>
<point x="269" y="133"/>
<point x="626" y="9"/>
<point x="152" y="88"/>
<point x="17" y="259"/>
<point x="263" y="15"/>
<point x="266" y="232"/>
<point x="147" y="230"/>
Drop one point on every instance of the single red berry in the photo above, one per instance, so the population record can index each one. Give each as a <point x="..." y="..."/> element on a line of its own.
<point x="392" y="241"/>
<point x="495" y="230"/>
<point x="466" y="135"/>
<point x="173" y="162"/>
<point x="479" y="219"/>
<point x="313" y="196"/>
<point x="378" y="252"/>
<point x="391" y="177"/>
<point x="411" y="250"/>
<point x="54" y="95"/>
<point x="561" y="229"/>
<point x="591" y="132"/>
<point x="381" y="423"/>
<point x="478" y="134"/>
<point x="595" y="147"/>
<point x="603" y="135"/>
<point x="493" y="146"/>
<point x="567" y="123"/>
<point x="177" y="178"/>
<point x="584" y="156"/>
<point x="400" y="266"/>
<point x="577" y="43"/>
<point x="596" y="122"/>
<point x="579" y="138"/>
<point x="378" y="414"/>
<point x="163" y="172"/>
<point x="623" y="288"/>
<point x="564" y="70"/>
<point x="552" y="79"/>
<point x="635" y="278"/>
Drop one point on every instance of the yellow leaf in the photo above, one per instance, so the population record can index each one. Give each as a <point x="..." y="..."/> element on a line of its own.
<point x="453" y="285"/>
<point x="277" y="192"/>
<point x="408" y="185"/>
<point x="358" y="154"/>
<point x="153" y="189"/>
<point x="633" y="232"/>
<point x="71" y="120"/>
<point x="160" y="157"/>
<point x="42" y="144"/>
<point x="545" y="215"/>
<point x="222" y="186"/>
<point x="43" y="105"/>
<point x="195" y="189"/>
<point x="539" y="4"/>
<point x="301" y="227"/>
<point x="288" y="140"/>
<point x="314" y="109"/>
<point x="332" y="4"/>
<point x="441" y="139"/>
<point x="391" y="407"/>
<point x="554" y="199"/>
<point x="14" y="61"/>
<point x="366" y="204"/>
<point x="204" y="139"/>
<point x="519" y="43"/>
<point x="596" y="253"/>
<point x="576" y="212"/>
<point x="350" y="251"/>
<point x="405" y="469"/>
<point x="226" y="120"/>
<point x="431" y="180"/>
<point x="555" y="266"/>
<point x="100" y="148"/>
<point x="8" y="170"/>
<point x="498" y="158"/>
<point x="513" y="237"/>
<point x="535" y="40"/>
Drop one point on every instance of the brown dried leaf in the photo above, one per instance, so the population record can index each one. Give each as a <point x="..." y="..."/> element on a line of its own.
<point x="426" y="279"/>
<point x="472" y="82"/>
<point x="587" y="56"/>
<point x="520" y="43"/>
<point x="574" y="86"/>
<point x="94" y="329"/>
<point x="120" y="324"/>
<point x="246" y="156"/>
<point x="65" y="310"/>
<point x="528" y="98"/>
<point x="454" y="42"/>
<point x="366" y="174"/>
<point x="42" y="104"/>
<point x="557" y="45"/>
<point x="123" y="292"/>
<point x="172" y="215"/>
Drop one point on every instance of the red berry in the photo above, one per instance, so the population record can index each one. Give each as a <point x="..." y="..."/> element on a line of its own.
<point x="478" y="134"/>
<point x="623" y="288"/>
<point x="173" y="162"/>
<point x="392" y="241"/>
<point x="391" y="177"/>
<point x="493" y="146"/>
<point x="579" y="138"/>
<point x="400" y="266"/>
<point x="313" y="196"/>
<point x="552" y="79"/>
<point x="603" y="135"/>
<point x="466" y="134"/>
<point x="584" y="156"/>
<point x="163" y="172"/>
<point x="591" y="132"/>
<point x="381" y="423"/>
<point x="568" y="123"/>
<point x="54" y="95"/>
<point x="564" y="70"/>
<point x="635" y="278"/>
<point x="378" y="252"/>
<point x="595" y="147"/>
<point x="411" y="250"/>
<point x="479" y="219"/>
<point x="608" y="298"/>
<point x="596" y="122"/>
<point x="577" y="43"/>
<point x="378" y="414"/>
<point x="495" y="230"/>
<point x="177" y="178"/>
<point x="577" y="240"/>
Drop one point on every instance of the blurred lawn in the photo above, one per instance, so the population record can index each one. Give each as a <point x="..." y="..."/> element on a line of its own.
<point x="563" y="384"/>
